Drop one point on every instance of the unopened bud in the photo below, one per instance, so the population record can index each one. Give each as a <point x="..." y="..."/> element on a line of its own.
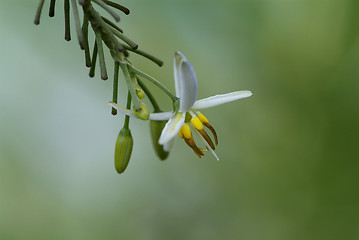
<point x="144" y="113"/>
<point x="156" y="130"/>
<point x="123" y="149"/>
<point x="140" y="94"/>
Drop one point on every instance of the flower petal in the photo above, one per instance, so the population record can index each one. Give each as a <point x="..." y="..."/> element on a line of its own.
<point x="171" y="128"/>
<point x="176" y="62"/>
<point x="220" y="99"/>
<point x="123" y="110"/>
<point x="161" y="116"/>
<point x="185" y="81"/>
<point x="168" y="146"/>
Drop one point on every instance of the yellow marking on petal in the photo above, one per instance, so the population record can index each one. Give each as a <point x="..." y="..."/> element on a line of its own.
<point x="202" y="118"/>
<point x="186" y="131"/>
<point x="197" y="123"/>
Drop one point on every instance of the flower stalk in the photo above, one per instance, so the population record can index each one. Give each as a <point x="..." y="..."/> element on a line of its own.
<point x="154" y="81"/>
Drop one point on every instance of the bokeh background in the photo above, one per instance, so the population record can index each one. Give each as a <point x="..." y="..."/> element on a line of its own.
<point x="289" y="154"/>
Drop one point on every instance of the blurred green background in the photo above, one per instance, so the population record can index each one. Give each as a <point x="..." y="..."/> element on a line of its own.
<point x="289" y="156"/>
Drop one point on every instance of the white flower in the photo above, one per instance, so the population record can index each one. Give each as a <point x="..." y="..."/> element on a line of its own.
<point x="187" y="113"/>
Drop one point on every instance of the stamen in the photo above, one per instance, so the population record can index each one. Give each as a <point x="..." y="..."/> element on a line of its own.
<point x="180" y="134"/>
<point x="205" y="122"/>
<point x="190" y="142"/>
<point x="213" y="132"/>
<point x="205" y="142"/>
<point x="186" y="131"/>
<point x="197" y="123"/>
<point x="207" y="138"/>
<point x="202" y="118"/>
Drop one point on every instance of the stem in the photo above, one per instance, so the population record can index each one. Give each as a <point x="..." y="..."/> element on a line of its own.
<point x="118" y="6"/>
<point x="101" y="55"/>
<point x="154" y="81"/>
<point x="98" y="24"/>
<point x="67" y="20"/>
<point x="149" y="95"/>
<point x="85" y="32"/>
<point x="52" y="8"/>
<point x="38" y="12"/>
<point x="108" y="9"/>
<point x="127" y="118"/>
<point x="77" y="23"/>
<point x="112" y="24"/>
<point x="115" y="86"/>
<point x="93" y="63"/>
<point x="132" y="44"/>
<point x="146" y="55"/>
<point x="136" y="101"/>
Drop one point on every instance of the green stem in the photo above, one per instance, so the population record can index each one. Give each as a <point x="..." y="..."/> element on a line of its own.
<point x="75" y="11"/>
<point x="121" y="36"/>
<point x="153" y="101"/>
<point x="67" y="20"/>
<point x="93" y="62"/>
<point x="146" y="55"/>
<point x="101" y="55"/>
<point x="108" y="9"/>
<point x="52" y="8"/>
<point x="136" y="101"/>
<point x="98" y="24"/>
<point x="118" y="6"/>
<point x="127" y="118"/>
<point x="85" y="32"/>
<point x="115" y="86"/>
<point x="112" y="24"/>
<point x="38" y="12"/>
<point x="154" y="81"/>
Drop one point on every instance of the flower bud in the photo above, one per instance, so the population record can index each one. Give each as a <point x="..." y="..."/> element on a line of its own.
<point x="140" y="94"/>
<point x="123" y="149"/>
<point x="144" y="113"/>
<point x="156" y="130"/>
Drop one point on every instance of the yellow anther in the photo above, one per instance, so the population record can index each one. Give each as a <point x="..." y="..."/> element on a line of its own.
<point x="186" y="131"/>
<point x="197" y="123"/>
<point x="202" y="118"/>
<point x="180" y="134"/>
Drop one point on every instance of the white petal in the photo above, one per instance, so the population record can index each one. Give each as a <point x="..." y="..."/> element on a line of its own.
<point x="185" y="81"/>
<point x="123" y="110"/>
<point x="220" y="99"/>
<point x="168" y="146"/>
<point x="171" y="128"/>
<point x="176" y="62"/>
<point x="161" y="116"/>
<point x="205" y="142"/>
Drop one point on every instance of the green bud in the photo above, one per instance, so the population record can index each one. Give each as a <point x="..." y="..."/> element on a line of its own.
<point x="156" y="130"/>
<point x="144" y="113"/>
<point x="140" y="94"/>
<point x="123" y="149"/>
